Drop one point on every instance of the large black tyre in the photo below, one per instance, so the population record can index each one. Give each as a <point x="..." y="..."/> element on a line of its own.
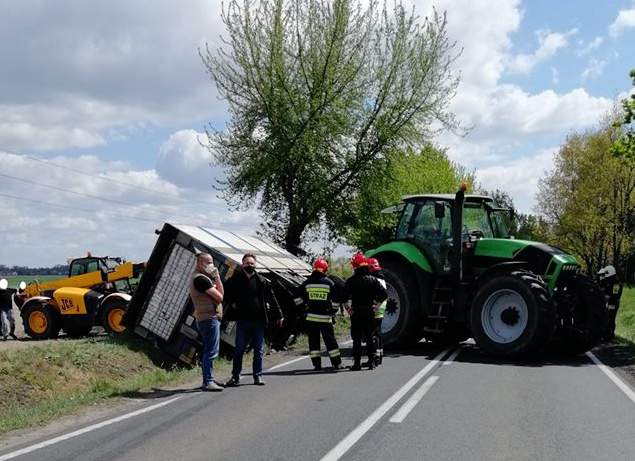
<point x="40" y="321"/>
<point x="512" y="314"/>
<point x="583" y="316"/>
<point x="403" y="321"/>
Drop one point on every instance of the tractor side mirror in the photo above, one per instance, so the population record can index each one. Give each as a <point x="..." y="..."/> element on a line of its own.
<point x="439" y="210"/>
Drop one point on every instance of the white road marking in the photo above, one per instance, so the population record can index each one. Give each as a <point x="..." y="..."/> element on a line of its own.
<point x="284" y="364"/>
<point x="351" y="439"/>
<point x="613" y="377"/>
<point x="412" y="402"/>
<point x="450" y="359"/>
<point x="84" y="430"/>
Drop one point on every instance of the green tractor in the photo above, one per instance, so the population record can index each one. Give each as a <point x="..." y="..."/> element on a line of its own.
<point x="453" y="271"/>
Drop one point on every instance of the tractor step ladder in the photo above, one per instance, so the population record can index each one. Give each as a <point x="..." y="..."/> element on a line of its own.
<point x="441" y="305"/>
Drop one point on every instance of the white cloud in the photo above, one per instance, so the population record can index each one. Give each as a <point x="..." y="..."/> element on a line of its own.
<point x="592" y="45"/>
<point x="111" y="210"/>
<point x="549" y="43"/>
<point x="624" y="20"/>
<point x="594" y="69"/>
<point x="519" y="177"/>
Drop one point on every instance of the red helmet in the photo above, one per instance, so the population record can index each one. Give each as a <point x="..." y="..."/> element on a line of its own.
<point x="321" y="265"/>
<point x="373" y="264"/>
<point x="358" y="260"/>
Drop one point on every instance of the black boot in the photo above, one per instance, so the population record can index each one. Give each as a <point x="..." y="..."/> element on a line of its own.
<point x="371" y="363"/>
<point x="317" y="363"/>
<point x="356" y="364"/>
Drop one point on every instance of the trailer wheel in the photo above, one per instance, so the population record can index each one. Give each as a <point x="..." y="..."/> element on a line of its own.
<point x="40" y="321"/>
<point x="402" y="323"/>
<point x="112" y="314"/>
<point x="512" y="314"/>
<point x="583" y="316"/>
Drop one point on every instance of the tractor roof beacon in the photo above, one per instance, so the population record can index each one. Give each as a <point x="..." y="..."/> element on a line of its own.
<point x="453" y="271"/>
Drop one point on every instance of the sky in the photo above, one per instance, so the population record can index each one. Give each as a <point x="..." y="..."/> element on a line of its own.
<point x="103" y="105"/>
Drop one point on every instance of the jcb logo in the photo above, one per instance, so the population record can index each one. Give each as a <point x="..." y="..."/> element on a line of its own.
<point x="67" y="304"/>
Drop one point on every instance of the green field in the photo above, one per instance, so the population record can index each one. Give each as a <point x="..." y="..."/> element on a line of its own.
<point x="625" y="322"/>
<point x="15" y="279"/>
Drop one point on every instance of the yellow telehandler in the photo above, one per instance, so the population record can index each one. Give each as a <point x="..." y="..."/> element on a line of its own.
<point x="96" y="292"/>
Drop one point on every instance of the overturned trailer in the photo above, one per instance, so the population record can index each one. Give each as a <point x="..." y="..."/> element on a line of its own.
<point x="161" y="310"/>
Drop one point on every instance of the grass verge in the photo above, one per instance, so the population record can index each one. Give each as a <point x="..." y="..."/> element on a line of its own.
<point x="625" y="321"/>
<point x="40" y="383"/>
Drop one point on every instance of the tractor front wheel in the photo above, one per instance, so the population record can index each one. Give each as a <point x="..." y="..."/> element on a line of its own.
<point x="583" y="316"/>
<point x="40" y="321"/>
<point x="512" y="314"/>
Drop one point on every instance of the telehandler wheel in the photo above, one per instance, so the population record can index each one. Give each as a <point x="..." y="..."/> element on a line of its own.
<point x="112" y="314"/>
<point x="40" y="321"/>
<point x="402" y="323"/>
<point x="513" y="314"/>
<point x="583" y="316"/>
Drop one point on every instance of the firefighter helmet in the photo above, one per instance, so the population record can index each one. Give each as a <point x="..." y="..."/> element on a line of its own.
<point x="373" y="264"/>
<point x="4" y="284"/>
<point x="321" y="265"/>
<point x="358" y="260"/>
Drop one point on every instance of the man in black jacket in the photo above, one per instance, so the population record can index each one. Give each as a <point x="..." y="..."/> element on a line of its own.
<point x="318" y="292"/>
<point x="254" y="306"/>
<point x="365" y="291"/>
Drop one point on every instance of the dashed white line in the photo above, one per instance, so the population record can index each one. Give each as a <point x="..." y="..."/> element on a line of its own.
<point x="613" y="377"/>
<point x="412" y="402"/>
<point x="351" y="439"/>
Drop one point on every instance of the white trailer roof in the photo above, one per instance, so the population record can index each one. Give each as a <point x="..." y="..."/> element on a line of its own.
<point x="234" y="245"/>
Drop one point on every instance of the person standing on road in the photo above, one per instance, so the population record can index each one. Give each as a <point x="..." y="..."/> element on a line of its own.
<point x="206" y="291"/>
<point x="7" y="322"/>
<point x="379" y="308"/>
<point x="317" y="292"/>
<point x="364" y="290"/>
<point x="254" y="306"/>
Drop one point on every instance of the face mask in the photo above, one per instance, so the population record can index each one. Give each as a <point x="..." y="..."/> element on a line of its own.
<point x="211" y="269"/>
<point x="249" y="269"/>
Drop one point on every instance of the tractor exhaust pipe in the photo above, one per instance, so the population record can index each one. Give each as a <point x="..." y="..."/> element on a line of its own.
<point x="456" y="263"/>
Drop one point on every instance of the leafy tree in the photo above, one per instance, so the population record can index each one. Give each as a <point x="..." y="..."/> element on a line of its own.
<point x="589" y="198"/>
<point x="321" y="94"/>
<point x="409" y="172"/>
<point x="624" y="146"/>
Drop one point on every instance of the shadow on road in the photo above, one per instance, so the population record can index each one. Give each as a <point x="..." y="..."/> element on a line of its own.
<point x="156" y="393"/>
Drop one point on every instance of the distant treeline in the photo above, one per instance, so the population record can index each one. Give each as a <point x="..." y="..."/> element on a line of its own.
<point x="59" y="269"/>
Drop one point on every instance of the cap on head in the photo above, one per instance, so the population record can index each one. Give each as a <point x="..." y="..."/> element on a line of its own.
<point x="321" y="265"/>
<point x="373" y="264"/>
<point x="358" y="260"/>
<point x="4" y="284"/>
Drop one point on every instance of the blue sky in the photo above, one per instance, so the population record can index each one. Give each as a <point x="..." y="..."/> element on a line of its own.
<point x="116" y="90"/>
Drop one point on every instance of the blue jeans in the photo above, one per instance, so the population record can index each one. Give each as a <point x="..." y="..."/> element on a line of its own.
<point x="248" y="330"/>
<point x="210" y="334"/>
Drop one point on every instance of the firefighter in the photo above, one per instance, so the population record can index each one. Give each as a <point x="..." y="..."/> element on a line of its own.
<point x="364" y="290"/>
<point x="608" y="281"/>
<point x="380" y="309"/>
<point x="318" y="292"/>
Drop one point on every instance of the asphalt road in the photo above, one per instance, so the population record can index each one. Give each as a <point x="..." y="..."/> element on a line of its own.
<point x="412" y="408"/>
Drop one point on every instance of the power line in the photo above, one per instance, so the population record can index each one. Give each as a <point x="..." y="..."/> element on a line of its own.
<point x="112" y="180"/>
<point x="86" y="210"/>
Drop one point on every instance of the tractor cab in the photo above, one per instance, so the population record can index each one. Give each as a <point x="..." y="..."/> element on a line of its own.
<point x="105" y="265"/>
<point x="427" y="222"/>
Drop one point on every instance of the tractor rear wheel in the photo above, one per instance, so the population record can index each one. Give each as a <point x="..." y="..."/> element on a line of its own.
<point x="112" y="314"/>
<point x="402" y="323"/>
<point x="513" y="314"/>
<point x="40" y="321"/>
<point x="583" y="316"/>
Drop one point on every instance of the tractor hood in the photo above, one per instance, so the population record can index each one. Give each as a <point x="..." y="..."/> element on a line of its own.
<point x="541" y="258"/>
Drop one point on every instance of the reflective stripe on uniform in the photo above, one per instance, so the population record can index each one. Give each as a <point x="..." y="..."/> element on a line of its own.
<point x="317" y="292"/>
<point x="314" y="354"/>
<point x="318" y="318"/>
<point x="379" y="314"/>
<point x="334" y="353"/>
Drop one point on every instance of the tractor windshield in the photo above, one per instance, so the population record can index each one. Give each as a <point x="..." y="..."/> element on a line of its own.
<point x="490" y="222"/>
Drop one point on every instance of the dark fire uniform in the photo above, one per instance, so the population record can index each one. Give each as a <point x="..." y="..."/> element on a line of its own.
<point x="364" y="290"/>
<point x="318" y="292"/>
